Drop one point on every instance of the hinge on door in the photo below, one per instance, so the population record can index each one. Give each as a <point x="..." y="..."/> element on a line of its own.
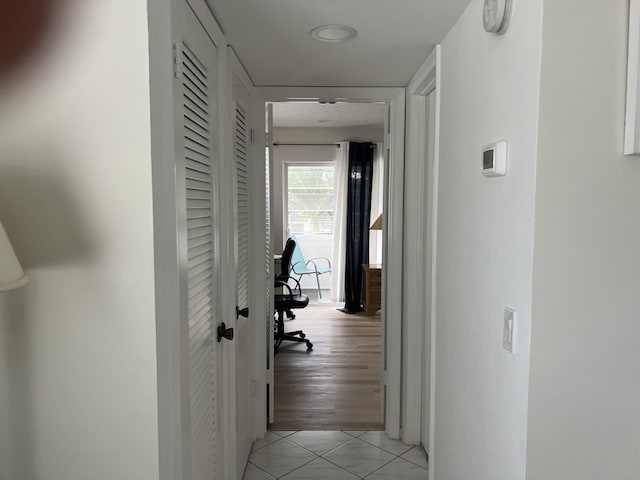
<point x="384" y="377"/>
<point x="177" y="60"/>
<point x="268" y="139"/>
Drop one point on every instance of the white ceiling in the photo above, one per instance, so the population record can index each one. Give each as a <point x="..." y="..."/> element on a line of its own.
<point x="338" y="115"/>
<point x="271" y="38"/>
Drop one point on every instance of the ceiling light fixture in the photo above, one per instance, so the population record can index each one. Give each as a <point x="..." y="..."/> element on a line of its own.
<point x="333" y="33"/>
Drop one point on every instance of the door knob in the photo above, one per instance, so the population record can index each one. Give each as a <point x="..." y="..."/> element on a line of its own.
<point x="224" y="332"/>
<point x="244" y="312"/>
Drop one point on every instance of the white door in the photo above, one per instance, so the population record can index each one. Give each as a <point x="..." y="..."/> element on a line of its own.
<point x="269" y="262"/>
<point x="429" y="248"/>
<point x="244" y="390"/>
<point x="195" y="94"/>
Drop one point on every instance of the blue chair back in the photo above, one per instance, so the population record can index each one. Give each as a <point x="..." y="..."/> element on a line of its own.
<point x="298" y="257"/>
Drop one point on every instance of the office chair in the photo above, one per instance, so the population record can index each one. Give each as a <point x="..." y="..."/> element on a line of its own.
<point x="302" y="267"/>
<point x="290" y="299"/>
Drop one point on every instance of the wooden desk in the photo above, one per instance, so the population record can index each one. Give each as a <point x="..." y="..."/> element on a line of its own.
<point x="372" y="288"/>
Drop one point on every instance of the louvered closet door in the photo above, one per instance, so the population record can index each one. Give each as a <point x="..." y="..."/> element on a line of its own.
<point x="197" y="71"/>
<point x="243" y="331"/>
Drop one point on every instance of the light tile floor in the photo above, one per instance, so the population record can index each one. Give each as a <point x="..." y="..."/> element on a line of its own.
<point x="334" y="455"/>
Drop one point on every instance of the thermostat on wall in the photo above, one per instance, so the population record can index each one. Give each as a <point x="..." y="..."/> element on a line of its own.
<point x="494" y="159"/>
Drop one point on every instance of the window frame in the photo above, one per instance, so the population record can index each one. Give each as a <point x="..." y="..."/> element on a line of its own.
<point x="285" y="184"/>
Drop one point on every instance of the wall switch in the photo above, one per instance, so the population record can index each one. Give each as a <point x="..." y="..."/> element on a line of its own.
<point x="509" y="330"/>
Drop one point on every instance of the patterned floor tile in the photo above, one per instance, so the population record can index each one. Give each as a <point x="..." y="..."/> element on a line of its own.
<point x="281" y="457"/>
<point x="400" y="469"/>
<point x="320" y="442"/>
<point x="254" y="473"/>
<point x="380" y="439"/>
<point x="269" y="438"/>
<point x="416" y="455"/>
<point x="360" y="458"/>
<point x="320" y="469"/>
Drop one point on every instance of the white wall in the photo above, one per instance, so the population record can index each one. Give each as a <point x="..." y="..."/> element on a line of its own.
<point x="327" y="134"/>
<point x="584" y="420"/>
<point x="78" y="344"/>
<point x="490" y="87"/>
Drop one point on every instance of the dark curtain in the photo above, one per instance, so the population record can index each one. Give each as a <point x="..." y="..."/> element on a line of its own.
<point x="358" y="220"/>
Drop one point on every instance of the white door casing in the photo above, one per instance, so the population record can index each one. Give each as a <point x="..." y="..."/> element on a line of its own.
<point x="428" y="247"/>
<point x="423" y="102"/>
<point x="269" y="264"/>
<point x="393" y="219"/>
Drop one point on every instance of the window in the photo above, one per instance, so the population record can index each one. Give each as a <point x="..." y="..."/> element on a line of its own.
<point x="310" y="199"/>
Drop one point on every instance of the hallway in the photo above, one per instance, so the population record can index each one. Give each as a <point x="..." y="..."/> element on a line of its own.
<point x="334" y="455"/>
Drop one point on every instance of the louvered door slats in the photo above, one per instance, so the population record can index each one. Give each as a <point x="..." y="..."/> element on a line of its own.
<point x="196" y="114"/>
<point x="192" y="106"/>
<point x="197" y="160"/>
<point x="196" y="177"/>
<point x="195" y="101"/>
<point x="196" y="129"/>
<point x="242" y="179"/>
<point x="198" y="148"/>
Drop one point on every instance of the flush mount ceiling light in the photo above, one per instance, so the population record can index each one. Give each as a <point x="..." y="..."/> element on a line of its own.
<point x="333" y="33"/>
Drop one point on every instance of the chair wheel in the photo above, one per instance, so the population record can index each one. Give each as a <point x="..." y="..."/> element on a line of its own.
<point x="309" y="346"/>
<point x="302" y="335"/>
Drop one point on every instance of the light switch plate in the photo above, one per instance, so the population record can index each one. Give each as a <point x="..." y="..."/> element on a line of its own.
<point x="509" y="330"/>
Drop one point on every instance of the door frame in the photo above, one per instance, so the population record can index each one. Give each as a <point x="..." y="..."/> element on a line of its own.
<point x="420" y="271"/>
<point x="393" y="220"/>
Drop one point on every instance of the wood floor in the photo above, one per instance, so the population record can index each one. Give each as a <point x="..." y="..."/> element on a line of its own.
<point x="336" y="386"/>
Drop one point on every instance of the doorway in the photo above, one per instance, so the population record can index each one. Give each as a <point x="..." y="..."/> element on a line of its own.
<point x="393" y="222"/>
<point x="337" y="385"/>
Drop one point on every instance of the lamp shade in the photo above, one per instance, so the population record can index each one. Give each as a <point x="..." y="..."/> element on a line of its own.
<point x="377" y="224"/>
<point x="11" y="273"/>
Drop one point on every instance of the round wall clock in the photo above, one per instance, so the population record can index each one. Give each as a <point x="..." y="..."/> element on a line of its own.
<point x="495" y="15"/>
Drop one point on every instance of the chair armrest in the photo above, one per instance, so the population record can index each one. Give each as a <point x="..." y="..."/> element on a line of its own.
<point x="284" y="285"/>
<point x="313" y="261"/>
<point x="282" y="281"/>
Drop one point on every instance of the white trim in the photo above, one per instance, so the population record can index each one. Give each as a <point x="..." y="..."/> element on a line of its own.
<point x="208" y="21"/>
<point x="413" y="281"/>
<point x="392" y="266"/>
<point x="423" y="81"/>
<point x="241" y="74"/>
<point x="164" y="25"/>
<point x="434" y="240"/>
<point x="418" y="275"/>
<point x="632" y="116"/>
<point x="345" y="94"/>
<point x="267" y="139"/>
<point x="259" y="299"/>
<point x="392" y="273"/>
